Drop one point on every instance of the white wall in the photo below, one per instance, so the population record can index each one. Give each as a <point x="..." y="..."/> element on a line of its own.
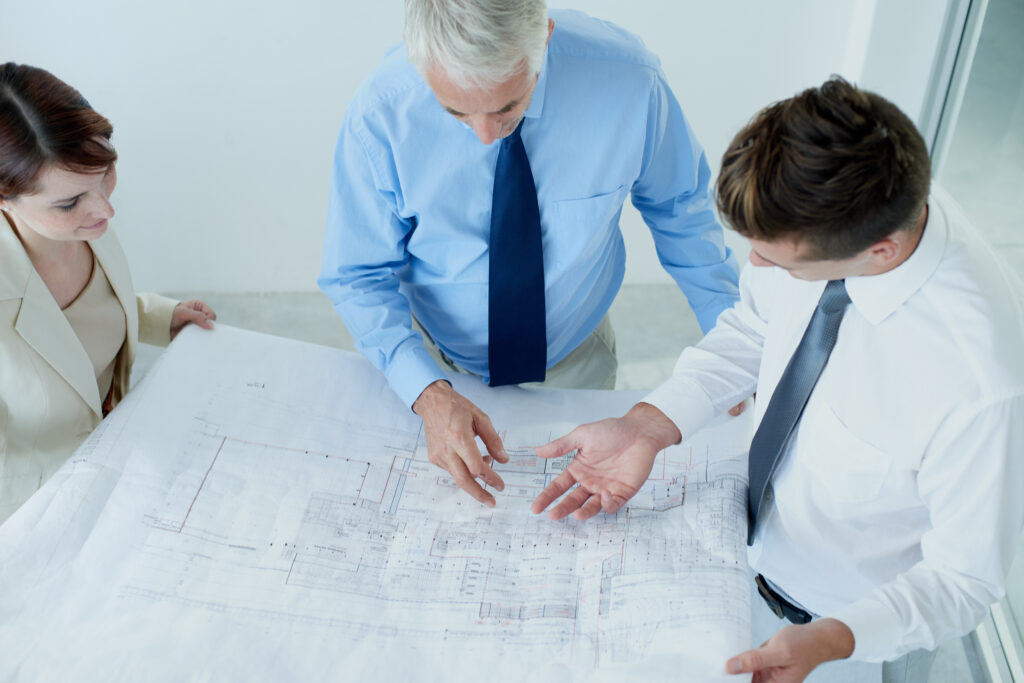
<point x="226" y="111"/>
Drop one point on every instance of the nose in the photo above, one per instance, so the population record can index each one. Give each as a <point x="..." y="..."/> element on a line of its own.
<point x="487" y="128"/>
<point x="102" y="208"/>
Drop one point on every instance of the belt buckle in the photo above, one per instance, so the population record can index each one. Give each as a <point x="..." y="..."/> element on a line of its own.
<point x="773" y="604"/>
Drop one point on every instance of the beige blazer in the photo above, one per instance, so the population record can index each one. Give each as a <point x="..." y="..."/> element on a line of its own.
<point x="49" y="399"/>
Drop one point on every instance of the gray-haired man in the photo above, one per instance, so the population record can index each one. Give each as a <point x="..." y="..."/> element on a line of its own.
<point x="435" y="255"/>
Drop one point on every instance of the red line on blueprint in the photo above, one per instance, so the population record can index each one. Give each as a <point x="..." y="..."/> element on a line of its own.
<point x="202" y="484"/>
<point x="387" y="481"/>
<point x="653" y="476"/>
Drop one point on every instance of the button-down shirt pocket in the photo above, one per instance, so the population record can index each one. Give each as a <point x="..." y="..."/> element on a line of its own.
<point x="846" y="468"/>
<point x="578" y="230"/>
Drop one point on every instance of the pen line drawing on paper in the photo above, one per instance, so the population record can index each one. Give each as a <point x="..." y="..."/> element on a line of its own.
<point x="285" y="510"/>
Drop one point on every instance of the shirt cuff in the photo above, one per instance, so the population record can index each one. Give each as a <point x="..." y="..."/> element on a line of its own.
<point x="685" y="403"/>
<point x="876" y="630"/>
<point x="411" y="372"/>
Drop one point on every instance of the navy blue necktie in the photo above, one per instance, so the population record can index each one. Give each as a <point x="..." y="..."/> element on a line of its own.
<point x="791" y="394"/>
<point x="517" y="344"/>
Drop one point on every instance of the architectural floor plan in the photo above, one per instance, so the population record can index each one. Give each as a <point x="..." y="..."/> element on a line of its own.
<point x="266" y="507"/>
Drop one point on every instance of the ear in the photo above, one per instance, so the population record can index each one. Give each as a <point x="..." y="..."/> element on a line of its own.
<point x="887" y="252"/>
<point x="551" y="28"/>
<point x="891" y="251"/>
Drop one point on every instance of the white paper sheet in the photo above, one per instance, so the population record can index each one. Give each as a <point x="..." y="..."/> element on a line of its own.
<point x="263" y="509"/>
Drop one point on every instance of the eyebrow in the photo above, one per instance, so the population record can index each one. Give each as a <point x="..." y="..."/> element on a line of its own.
<point x="58" y="202"/>
<point x="507" y="108"/>
<point x="68" y="200"/>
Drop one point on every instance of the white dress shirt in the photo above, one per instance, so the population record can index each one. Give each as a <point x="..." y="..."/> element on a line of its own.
<point x="898" y="501"/>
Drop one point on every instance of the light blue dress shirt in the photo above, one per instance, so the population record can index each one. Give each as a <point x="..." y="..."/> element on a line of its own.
<point x="409" y="213"/>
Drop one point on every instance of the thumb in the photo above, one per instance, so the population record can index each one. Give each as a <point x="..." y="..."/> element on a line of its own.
<point x="752" y="661"/>
<point x="558" y="447"/>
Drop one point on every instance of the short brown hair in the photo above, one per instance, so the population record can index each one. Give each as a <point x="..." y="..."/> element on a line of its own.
<point x="43" y="120"/>
<point x="835" y="167"/>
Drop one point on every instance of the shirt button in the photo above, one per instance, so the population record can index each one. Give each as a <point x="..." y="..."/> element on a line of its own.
<point x="769" y="494"/>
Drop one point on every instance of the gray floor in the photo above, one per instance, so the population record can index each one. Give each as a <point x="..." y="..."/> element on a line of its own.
<point x="652" y="324"/>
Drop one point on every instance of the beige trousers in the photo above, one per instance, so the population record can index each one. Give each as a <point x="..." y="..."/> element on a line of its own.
<point x="591" y="365"/>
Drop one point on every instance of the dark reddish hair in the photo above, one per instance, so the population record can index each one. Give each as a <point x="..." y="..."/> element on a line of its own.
<point x="43" y="120"/>
<point x="835" y="167"/>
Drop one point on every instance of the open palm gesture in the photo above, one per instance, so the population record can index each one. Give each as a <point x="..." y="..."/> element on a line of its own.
<point x="613" y="459"/>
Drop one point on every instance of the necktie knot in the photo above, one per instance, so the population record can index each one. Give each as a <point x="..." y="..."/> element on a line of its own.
<point x="834" y="298"/>
<point x="514" y="136"/>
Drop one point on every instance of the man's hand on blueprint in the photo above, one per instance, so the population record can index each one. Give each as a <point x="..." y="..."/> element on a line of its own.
<point x="613" y="459"/>
<point x="792" y="653"/>
<point x="451" y="424"/>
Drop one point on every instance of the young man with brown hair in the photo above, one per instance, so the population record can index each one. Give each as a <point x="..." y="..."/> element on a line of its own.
<point x="883" y="338"/>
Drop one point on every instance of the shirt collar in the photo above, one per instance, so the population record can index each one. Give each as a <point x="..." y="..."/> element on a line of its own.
<point x="537" y="102"/>
<point x="878" y="296"/>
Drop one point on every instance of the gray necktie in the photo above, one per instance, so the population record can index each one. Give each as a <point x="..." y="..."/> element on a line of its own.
<point x="791" y="394"/>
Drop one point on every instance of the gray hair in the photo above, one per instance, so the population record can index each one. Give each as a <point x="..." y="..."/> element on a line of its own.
<point x="477" y="43"/>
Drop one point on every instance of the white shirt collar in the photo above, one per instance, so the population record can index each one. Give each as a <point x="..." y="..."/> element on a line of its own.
<point x="878" y="296"/>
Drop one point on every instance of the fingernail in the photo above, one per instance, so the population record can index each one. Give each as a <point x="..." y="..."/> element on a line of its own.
<point x="734" y="666"/>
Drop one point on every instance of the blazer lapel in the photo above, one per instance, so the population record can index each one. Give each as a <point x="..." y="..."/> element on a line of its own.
<point x="111" y="258"/>
<point x="43" y="326"/>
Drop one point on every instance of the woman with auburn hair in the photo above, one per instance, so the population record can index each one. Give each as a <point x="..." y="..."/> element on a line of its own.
<point x="70" y="320"/>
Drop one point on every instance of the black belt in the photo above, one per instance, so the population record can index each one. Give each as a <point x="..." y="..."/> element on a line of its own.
<point x="782" y="608"/>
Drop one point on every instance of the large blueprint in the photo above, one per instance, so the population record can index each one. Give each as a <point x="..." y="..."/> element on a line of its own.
<point x="262" y="509"/>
